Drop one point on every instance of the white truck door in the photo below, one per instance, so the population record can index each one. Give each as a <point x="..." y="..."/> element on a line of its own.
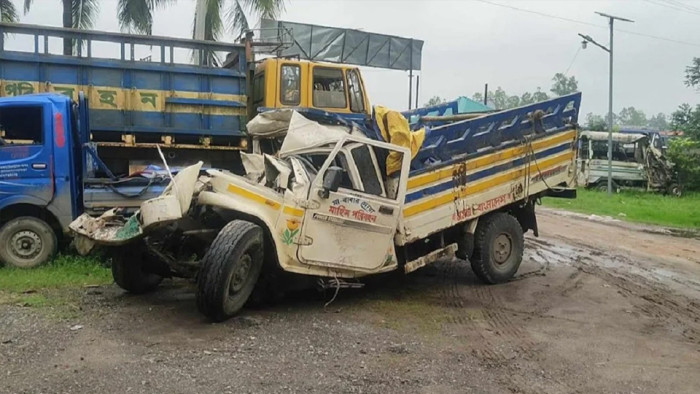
<point x="352" y="226"/>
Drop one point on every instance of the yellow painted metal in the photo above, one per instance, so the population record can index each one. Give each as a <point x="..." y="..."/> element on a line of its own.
<point x="125" y="99"/>
<point x="272" y="70"/>
<point x="478" y="187"/>
<point x="493" y="158"/>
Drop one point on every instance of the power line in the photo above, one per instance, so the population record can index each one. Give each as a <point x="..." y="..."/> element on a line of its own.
<point x="682" y="5"/>
<point x="670" y="5"/>
<point x="572" y="61"/>
<point x="589" y="24"/>
<point x="541" y="13"/>
<point x="659" y="38"/>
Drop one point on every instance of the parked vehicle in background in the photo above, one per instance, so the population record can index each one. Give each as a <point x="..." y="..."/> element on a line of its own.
<point x="636" y="163"/>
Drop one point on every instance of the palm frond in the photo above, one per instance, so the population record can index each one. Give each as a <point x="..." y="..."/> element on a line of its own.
<point x="137" y="15"/>
<point x="27" y="5"/>
<point x="84" y="13"/>
<point x="8" y="12"/>
<point x="264" y="8"/>
<point x="237" y="18"/>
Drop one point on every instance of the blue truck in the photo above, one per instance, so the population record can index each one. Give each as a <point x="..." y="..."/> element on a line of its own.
<point x="79" y="133"/>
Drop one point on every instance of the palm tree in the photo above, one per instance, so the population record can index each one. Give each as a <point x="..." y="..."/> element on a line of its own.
<point x="134" y="15"/>
<point x="213" y="18"/>
<point x="8" y="13"/>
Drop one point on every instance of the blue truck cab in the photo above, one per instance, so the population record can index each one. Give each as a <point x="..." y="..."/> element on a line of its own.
<point x="40" y="175"/>
<point x="50" y="173"/>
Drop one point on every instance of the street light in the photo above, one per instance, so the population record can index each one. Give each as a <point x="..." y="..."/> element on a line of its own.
<point x="584" y="43"/>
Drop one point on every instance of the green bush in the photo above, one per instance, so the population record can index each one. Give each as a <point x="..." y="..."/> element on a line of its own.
<point x="685" y="153"/>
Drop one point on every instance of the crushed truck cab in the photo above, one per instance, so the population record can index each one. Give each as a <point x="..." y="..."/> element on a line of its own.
<point x="323" y="206"/>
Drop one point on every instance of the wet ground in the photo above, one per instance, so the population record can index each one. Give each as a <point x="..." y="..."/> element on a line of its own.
<point x="597" y="306"/>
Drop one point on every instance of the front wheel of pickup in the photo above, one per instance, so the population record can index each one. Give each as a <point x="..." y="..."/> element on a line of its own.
<point x="229" y="270"/>
<point x="498" y="248"/>
<point x="128" y="270"/>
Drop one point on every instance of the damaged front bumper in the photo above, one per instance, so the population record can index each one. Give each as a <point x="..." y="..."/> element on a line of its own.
<point x="112" y="228"/>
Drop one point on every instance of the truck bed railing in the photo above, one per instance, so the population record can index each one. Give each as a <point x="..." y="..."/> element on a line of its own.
<point x="447" y="143"/>
<point x="165" y="46"/>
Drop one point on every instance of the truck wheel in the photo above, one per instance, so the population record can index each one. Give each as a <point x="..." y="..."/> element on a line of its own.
<point x="229" y="270"/>
<point x="498" y="248"/>
<point x="675" y="190"/>
<point x="128" y="273"/>
<point x="27" y="242"/>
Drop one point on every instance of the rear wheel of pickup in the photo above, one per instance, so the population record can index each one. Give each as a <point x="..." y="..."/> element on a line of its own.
<point x="229" y="270"/>
<point x="128" y="270"/>
<point x="498" y="248"/>
<point x="27" y="242"/>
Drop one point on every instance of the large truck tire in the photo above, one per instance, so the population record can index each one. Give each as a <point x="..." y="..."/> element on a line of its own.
<point x="128" y="273"/>
<point x="498" y="248"/>
<point x="27" y="242"/>
<point x="230" y="269"/>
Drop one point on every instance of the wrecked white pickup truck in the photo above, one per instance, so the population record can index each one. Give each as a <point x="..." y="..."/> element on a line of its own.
<point x="334" y="205"/>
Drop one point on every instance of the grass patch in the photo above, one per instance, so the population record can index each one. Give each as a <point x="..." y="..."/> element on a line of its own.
<point x="635" y="206"/>
<point x="62" y="272"/>
<point x="54" y="286"/>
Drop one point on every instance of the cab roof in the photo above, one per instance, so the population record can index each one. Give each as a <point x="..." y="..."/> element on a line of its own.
<point x="56" y="98"/>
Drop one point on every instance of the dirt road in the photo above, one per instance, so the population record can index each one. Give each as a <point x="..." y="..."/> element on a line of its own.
<point x="596" y="307"/>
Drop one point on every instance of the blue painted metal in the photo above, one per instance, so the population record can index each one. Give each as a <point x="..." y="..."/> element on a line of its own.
<point x="41" y="174"/>
<point x="123" y="73"/>
<point x="213" y="103"/>
<point x="153" y="123"/>
<point x="448" y="143"/>
<point x="460" y="105"/>
<point x="457" y="141"/>
<point x="469" y="138"/>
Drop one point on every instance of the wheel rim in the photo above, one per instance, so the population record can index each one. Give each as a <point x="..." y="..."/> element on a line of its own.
<point x="502" y="248"/>
<point x="240" y="274"/>
<point x="25" y="244"/>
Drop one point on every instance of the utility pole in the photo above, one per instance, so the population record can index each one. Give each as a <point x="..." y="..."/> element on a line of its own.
<point x="586" y="40"/>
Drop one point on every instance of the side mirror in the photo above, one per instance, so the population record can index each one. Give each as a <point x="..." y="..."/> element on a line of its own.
<point x="331" y="181"/>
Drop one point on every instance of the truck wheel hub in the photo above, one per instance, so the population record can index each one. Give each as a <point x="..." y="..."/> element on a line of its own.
<point x="240" y="273"/>
<point x="25" y="244"/>
<point x="502" y="248"/>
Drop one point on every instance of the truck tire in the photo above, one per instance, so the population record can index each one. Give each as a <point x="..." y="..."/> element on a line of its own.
<point x="230" y="270"/>
<point x="128" y="272"/>
<point x="675" y="190"/>
<point x="27" y="242"/>
<point x="498" y="248"/>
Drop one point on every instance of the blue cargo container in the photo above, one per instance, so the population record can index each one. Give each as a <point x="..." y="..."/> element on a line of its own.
<point x="134" y="100"/>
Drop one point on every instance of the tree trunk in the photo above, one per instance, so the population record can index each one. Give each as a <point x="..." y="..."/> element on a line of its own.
<point x="200" y="20"/>
<point x="67" y="22"/>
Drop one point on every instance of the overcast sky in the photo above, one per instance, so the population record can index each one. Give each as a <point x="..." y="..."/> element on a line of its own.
<point x="469" y="43"/>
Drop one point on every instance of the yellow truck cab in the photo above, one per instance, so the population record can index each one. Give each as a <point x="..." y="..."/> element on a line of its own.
<point x="287" y="83"/>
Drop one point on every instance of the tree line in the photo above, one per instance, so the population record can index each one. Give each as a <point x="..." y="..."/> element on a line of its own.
<point x="685" y="151"/>
<point x="499" y="99"/>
